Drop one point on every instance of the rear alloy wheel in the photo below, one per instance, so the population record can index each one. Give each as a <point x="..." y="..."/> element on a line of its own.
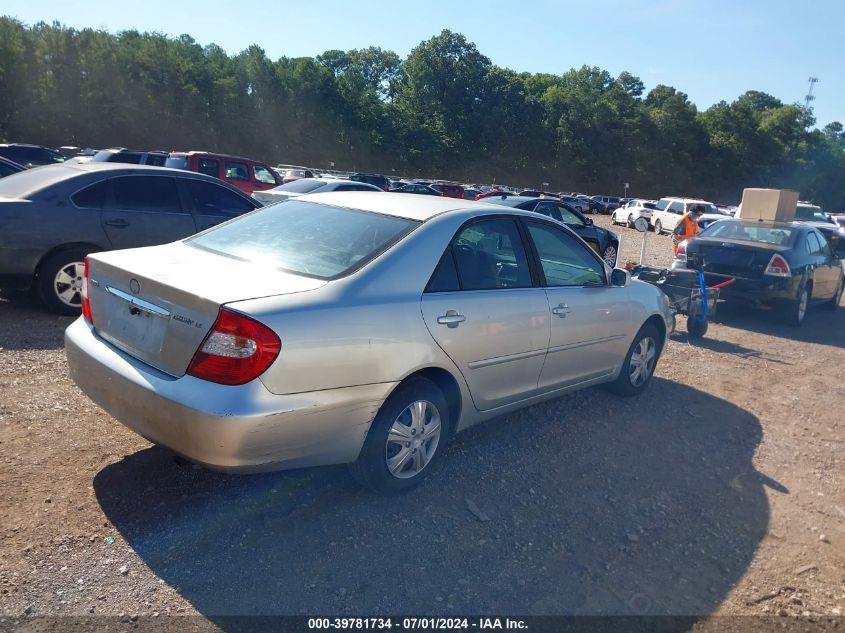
<point x="609" y="255"/>
<point x="658" y="227"/>
<point x="406" y="436"/>
<point x="833" y="304"/>
<point x="60" y="282"/>
<point x="795" y="311"/>
<point x="639" y="365"/>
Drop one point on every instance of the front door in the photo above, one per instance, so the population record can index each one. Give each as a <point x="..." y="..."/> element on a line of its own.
<point x="590" y="318"/>
<point x="483" y="310"/>
<point x="145" y="211"/>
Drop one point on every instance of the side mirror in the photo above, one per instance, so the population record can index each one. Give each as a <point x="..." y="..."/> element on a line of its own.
<point x="620" y="278"/>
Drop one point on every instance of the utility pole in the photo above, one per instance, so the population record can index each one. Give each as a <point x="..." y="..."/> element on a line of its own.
<point x="809" y="96"/>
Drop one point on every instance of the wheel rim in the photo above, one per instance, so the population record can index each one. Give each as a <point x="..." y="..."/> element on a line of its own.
<point x="642" y="361"/>
<point x="610" y="255"/>
<point x="413" y="439"/>
<point x="67" y="284"/>
<point x="802" y="306"/>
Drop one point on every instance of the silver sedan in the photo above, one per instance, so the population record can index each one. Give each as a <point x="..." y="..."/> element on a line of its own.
<point x="355" y="328"/>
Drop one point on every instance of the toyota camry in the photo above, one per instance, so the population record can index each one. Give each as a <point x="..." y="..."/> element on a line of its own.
<point x="355" y="328"/>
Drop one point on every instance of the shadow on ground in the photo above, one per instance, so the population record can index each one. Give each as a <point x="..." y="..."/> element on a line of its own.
<point x="822" y="327"/>
<point x="585" y="505"/>
<point x="26" y="324"/>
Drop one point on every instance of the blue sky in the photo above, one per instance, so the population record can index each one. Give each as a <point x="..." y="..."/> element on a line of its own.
<point x="712" y="50"/>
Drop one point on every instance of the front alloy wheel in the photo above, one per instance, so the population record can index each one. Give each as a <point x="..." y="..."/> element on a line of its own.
<point x="640" y="363"/>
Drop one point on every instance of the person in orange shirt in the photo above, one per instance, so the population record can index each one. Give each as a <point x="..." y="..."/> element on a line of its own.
<point x="687" y="226"/>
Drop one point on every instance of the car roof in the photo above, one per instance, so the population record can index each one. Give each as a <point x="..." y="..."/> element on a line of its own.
<point x="194" y="152"/>
<point x="685" y="200"/>
<point x="400" y="205"/>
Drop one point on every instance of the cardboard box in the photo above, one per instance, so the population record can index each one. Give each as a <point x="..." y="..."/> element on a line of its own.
<point x="768" y="205"/>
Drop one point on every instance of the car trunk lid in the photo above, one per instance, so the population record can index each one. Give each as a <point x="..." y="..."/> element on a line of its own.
<point x="158" y="303"/>
<point x="737" y="258"/>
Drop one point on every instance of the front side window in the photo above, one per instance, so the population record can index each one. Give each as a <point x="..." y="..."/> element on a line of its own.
<point x="146" y="193"/>
<point x="236" y="171"/>
<point x="567" y="216"/>
<point x="209" y="167"/>
<point x="565" y="262"/>
<point x="489" y="255"/>
<point x="211" y="199"/>
<point x="306" y="238"/>
<point x="262" y="174"/>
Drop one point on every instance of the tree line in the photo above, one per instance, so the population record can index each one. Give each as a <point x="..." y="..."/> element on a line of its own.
<point x="444" y="111"/>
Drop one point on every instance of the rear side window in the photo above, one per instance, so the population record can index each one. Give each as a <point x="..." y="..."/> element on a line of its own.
<point x="209" y="167"/>
<point x="445" y="277"/>
<point x="157" y="160"/>
<point x="92" y="197"/>
<point x="211" y="199"/>
<point x="262" y="174"/>
<point x="146" y="193"/>
<point x="236" y="171"/>
<point x="305" y="238"/>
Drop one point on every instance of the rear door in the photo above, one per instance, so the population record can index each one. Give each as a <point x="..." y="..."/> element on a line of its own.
<point x="485" y="312"/>
<point x="590" y="319"/>
<point x="212" y="204"/>
<point x="236" y="173"/>
<point x="145" y="210"/>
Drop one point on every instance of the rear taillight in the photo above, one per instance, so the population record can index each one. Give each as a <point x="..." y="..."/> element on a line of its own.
<point x="681" y="253"/>
<point x="778" y="267"/>
<point x="236" y="350"/>
<point x="86" y="302"/>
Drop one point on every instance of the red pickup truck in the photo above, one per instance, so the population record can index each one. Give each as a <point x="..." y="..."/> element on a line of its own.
<point x="244" y="173"/>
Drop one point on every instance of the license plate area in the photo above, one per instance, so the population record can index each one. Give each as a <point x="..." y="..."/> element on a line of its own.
<point x="134" y="324"/>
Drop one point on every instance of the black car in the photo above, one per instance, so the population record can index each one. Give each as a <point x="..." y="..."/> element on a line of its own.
<point x="382" y="182"/>
<point x="787" y="265"/>
<point x="424" y="190"/>
<point x="30" y="155"/>
<point x="8" y="167"/>
<point x="53" y="216"/>
<point x="604" y="242"/>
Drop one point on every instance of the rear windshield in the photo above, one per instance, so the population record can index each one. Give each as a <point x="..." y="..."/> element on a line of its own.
<point x="777" y="235"/>
<point x="177" y="162"/>
<point x="304" y="185"/>
<point x="305" y="238"/>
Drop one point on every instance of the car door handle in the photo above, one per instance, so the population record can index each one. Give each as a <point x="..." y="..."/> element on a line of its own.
<point x="118" y="224"/>
<point x="451" y="318"/>
<point x="562" y="310"/>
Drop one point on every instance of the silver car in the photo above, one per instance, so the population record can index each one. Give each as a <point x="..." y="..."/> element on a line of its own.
<point x="355" y="328"/>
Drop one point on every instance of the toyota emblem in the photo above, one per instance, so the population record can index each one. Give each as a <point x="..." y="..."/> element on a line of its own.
<point x="134" y="286"/>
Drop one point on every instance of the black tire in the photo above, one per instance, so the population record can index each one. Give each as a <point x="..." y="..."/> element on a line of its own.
<point x="371" y="468"/>
<point x="696" y="327"/>
<point x="630" y="220"/>
<point x="47" y="287"/>
<point x="833" y="303"/>
<point x="658" y="227"/>
<point x="623" y="385"/>
<point x="792" y="312"/>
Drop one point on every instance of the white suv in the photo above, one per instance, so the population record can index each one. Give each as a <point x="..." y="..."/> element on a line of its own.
<point x="632" y="211"/>
<point x="668" y="212"/>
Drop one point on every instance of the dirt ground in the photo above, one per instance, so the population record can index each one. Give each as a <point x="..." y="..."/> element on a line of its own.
<point x="720" y="490"/>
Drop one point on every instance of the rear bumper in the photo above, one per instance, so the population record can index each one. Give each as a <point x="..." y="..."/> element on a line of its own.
<point x="761" y="290"/>
<point x="238" y="429"/>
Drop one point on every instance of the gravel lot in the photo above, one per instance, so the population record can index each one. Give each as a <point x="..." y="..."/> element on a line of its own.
<point x="718" y="491"/>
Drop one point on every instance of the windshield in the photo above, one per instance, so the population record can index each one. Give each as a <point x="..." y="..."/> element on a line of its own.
<point x="303" y="185"/>
<point x="306" y="238"/>
<point x="765" y="234"/>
